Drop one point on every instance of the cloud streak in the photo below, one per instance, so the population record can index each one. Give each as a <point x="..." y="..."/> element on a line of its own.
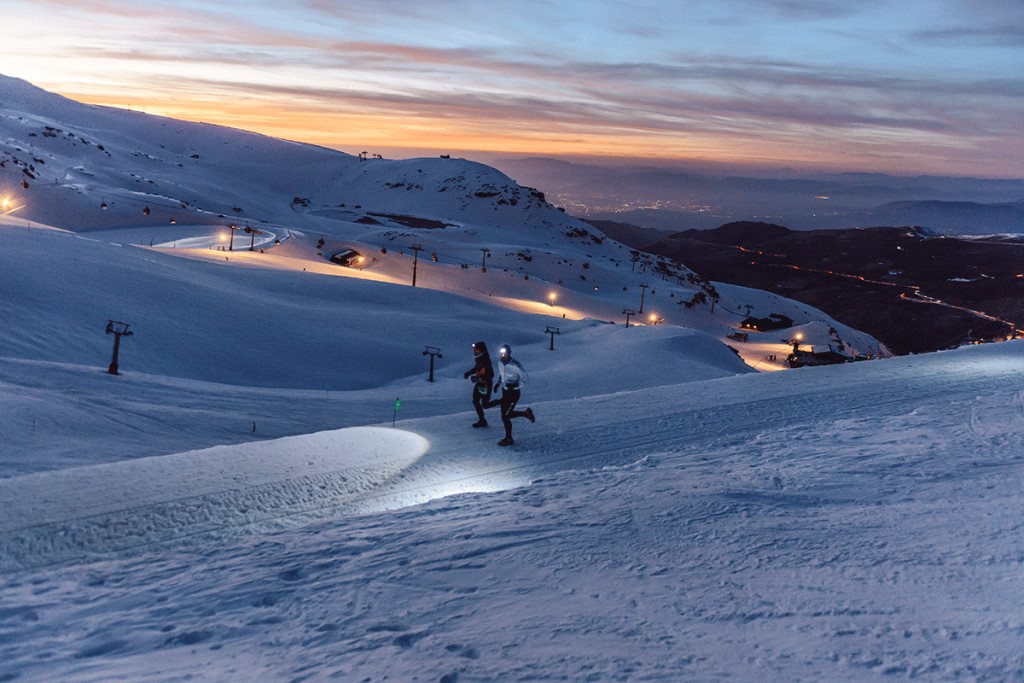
<point x="503" y="79"/>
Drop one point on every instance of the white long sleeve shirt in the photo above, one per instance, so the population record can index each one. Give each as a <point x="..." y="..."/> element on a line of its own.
<point x="512" y="373"/>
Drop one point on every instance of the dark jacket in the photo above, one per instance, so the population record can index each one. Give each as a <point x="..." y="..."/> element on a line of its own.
<point x="483" y="371"/>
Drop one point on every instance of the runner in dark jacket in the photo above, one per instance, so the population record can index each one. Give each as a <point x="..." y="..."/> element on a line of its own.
<point x="482" y="374"/>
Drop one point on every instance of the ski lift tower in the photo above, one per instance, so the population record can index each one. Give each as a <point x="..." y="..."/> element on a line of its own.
<point x="552" y="331"/>
<point x="118" y="329"/>
<point x="433" y="352"/>
<point x="643" y="291"/>
<point x="254" y="232"/>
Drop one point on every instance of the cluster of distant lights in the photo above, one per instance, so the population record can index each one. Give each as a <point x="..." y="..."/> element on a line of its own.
<point x="653" y="319"/>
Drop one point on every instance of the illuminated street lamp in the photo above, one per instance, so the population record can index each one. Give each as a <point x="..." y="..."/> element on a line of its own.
<point x="7" y="206"/>
<point x="796" y="341"/>
<point x="654" y="319"/>
<point x="551" y="298"/>
<point x="231" y="243"/>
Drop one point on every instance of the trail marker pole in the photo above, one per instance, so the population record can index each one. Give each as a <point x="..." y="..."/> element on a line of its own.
<point x="118" y="329"/>
<point x="398" y="405"/>
<point x="433" y="352"/>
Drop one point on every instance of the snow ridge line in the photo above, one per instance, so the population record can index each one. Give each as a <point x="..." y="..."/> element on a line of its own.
<point x="155" y="524"/>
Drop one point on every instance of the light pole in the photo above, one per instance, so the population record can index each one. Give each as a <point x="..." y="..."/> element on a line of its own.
<point x="552" y="331"/>
<point x="415" y="259"/>
<point x="483" y="260"/>
<point x="231" y="244"/>
<point x="433" y="352"/>
<point x="628" y="312"/>
<point x="654" y="319"/>
<point x="643" y="291"/>
<point x="551" y="299"/>
<point x="7" y="206"/>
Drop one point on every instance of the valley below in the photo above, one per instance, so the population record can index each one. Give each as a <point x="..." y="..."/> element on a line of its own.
<point x="911" y="290"/>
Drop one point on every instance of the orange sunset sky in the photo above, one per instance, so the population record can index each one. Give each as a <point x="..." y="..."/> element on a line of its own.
<point x="917" y="87"/>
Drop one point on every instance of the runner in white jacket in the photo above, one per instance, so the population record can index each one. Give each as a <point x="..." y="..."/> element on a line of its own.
<point x="511" y="378"/>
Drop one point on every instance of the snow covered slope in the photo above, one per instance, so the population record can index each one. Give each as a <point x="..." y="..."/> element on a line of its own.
<point x="272" y="490"/>
<point x="859" y="522"/>
<point x="131" y="178"/>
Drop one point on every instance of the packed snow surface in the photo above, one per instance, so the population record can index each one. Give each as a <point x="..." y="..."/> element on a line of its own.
<point x="670" y="515"/>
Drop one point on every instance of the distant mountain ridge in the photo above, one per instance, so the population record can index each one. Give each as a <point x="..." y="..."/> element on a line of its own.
<point x="945" y="217"/>
<point x="705" y="196"/>
<point x="949" y="217"/>
<point x="85" y="167"/>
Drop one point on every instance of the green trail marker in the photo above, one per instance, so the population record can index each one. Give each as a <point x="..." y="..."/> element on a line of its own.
<point x="398" y="405"/>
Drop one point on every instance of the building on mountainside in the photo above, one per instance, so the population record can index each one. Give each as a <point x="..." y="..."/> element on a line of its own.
<point x="774" y="321"/>
<point x="816" y="355"/>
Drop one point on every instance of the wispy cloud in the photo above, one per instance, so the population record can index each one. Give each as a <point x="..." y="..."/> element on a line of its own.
<point x="799" y="75"/>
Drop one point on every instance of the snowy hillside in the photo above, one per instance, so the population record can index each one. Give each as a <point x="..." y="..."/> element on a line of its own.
<point x="661" y="520"/>
<point x="272" y="490"/>
<point x="129" y="178"/>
